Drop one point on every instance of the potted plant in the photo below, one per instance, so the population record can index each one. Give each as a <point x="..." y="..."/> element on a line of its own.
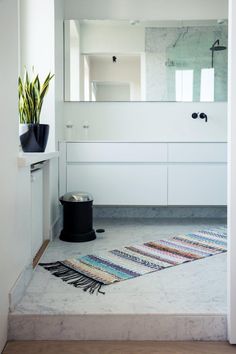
<point x="33" y="135"/>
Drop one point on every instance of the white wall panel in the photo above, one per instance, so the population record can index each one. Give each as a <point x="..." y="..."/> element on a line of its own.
<point x="147" y="121"/>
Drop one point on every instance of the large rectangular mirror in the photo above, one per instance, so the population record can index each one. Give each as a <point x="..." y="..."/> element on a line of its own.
<point x="145" y="61"/>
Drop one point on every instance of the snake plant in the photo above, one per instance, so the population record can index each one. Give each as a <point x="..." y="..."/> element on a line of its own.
<point x="31" y="96"/>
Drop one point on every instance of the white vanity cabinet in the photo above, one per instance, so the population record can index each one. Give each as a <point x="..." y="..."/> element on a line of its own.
<point x="145" y="173"/>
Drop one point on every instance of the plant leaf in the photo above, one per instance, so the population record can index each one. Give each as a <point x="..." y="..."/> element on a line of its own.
<point x="31" y="95"/>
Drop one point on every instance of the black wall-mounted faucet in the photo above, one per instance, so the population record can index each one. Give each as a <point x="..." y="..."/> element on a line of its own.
<point x="195" y="115"/>
<point x="201" y="115"/>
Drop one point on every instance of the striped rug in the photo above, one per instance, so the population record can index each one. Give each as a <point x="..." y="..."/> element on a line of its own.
<point x="92" y="271"/>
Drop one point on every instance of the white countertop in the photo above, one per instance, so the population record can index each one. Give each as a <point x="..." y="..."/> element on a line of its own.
<point x="26" y="159"/>
<point x="138" y="141"/>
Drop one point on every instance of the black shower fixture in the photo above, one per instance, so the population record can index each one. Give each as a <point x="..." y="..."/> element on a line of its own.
<point x="216" y="47"/>
<point x="114" y="59"/>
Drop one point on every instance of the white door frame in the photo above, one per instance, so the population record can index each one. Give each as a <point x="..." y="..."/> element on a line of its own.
<point x="231" y="273"/>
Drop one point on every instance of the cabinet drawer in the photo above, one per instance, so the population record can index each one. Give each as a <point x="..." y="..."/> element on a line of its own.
<point x="197" y="184"/>
<point x="120" y="184"/>
<point x="197" y="152"/>
<point x="117" y="152"/>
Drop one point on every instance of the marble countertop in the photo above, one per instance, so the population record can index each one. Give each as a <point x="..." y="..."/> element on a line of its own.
<point x="138" y="141"/>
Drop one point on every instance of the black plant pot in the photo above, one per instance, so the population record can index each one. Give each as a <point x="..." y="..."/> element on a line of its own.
<point x="35" y="138"/>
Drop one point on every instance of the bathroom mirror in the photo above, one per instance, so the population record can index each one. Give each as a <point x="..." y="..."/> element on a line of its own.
<point x="145" y="60"/>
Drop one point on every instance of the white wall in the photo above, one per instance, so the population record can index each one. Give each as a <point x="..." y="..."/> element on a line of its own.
<point x="37" y="50"/>
<point x="41" y="47"/>
<point x="150" y="121"/>
<point x="41" y="36"/>
<point x="146" y="9"/>
<point x="14" y="239"/>
<point x="232" y="176"/>
<point x="15" y="242"/>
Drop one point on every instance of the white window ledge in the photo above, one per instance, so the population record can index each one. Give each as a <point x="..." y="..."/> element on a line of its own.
<point x="29" y="158"/>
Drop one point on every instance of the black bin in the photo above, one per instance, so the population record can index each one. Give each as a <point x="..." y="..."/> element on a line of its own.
<point x="77" y="217"/>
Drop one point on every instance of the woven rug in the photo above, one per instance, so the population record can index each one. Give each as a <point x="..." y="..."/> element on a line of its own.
<point x="92" y="271"/>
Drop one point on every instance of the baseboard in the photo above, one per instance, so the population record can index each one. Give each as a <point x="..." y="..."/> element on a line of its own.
<point x="40" y="253"/>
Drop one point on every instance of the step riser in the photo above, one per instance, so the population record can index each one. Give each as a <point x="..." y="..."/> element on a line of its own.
<point x="118" y="327"/>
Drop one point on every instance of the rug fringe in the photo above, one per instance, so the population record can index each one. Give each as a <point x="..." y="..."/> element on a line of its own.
<point x="72" y="277"/>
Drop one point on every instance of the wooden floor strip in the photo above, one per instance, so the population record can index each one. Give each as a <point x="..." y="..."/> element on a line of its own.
<point x="117" y="347"/>
<point x="40" y="253"/>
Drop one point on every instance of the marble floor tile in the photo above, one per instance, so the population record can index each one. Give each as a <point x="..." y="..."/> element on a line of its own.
<point x="195" y="288"/>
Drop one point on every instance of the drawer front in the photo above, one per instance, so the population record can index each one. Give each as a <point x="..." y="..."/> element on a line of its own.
<point x="197" y="184"/>
<point x="197" y="152"/>
<point x="121" y="184"/>
<point x="117" y="152"/>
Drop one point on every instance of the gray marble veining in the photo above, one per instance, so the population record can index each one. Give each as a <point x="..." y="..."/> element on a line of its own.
<point x="177" y="49"/>
<point x="118" y="327"/>
<point x="159" y="212"/>
<point x="183" y="301"/>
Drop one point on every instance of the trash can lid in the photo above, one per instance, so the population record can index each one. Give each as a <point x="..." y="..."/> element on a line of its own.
<point x="76" y="197"/>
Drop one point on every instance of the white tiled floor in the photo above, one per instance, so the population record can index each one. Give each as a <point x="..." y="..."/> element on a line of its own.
<point x="194" y="288"/>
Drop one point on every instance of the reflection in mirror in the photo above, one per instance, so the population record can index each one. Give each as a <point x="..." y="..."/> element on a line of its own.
<point x="146" y="61"/>
<point x="114" y="78"/>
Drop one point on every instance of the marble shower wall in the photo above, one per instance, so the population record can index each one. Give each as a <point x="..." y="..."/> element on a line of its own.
<point x="184" y="48"/>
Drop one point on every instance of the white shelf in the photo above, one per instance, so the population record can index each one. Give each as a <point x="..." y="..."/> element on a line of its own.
<point x="139" y="141"/>
<point x="27" y="159"/>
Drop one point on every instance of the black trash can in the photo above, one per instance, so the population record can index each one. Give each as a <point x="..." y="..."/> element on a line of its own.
<point x="77" y="217"/>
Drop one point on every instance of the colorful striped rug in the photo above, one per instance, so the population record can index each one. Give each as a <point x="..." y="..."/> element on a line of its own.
<point x="92" y="271"/>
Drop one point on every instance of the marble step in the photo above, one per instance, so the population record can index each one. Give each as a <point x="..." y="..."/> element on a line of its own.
<point x="118" y="327"/>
